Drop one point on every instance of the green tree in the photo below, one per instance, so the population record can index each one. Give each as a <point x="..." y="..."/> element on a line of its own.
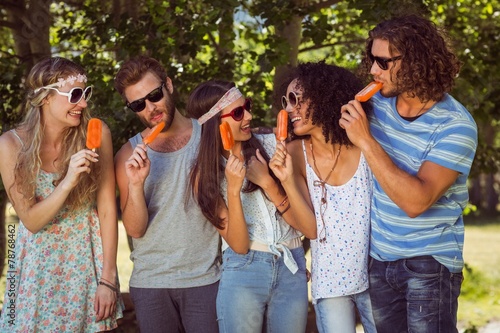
<point x="248" y="41"/>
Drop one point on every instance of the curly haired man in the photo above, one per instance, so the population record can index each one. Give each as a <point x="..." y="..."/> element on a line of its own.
<point x="419" y="143"/>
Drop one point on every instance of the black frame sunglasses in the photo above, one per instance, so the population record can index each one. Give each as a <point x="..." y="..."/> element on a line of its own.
<point x="293" y="100"/>
<point x="154" y="96"/>
<point x="238" y="112"/>
<point x="383" y="63"/>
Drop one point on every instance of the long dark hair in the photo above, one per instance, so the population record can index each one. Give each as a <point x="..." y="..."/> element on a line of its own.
<point x="428" y="67"/>
<point x="208" y="170"/>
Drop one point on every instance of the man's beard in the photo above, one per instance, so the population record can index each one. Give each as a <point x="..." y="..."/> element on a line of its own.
<point x="393" y="92"/>
<point x="169" y="106"/>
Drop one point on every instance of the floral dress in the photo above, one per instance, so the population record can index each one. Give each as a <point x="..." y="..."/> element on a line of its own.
<point x="52" y="280"/>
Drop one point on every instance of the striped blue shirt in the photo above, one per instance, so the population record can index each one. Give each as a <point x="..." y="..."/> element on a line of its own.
<point x="446" y="135"/>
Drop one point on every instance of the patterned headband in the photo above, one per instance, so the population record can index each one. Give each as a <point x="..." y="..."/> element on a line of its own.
<point x="231" y="96"/>
<point x="61" y="82"/>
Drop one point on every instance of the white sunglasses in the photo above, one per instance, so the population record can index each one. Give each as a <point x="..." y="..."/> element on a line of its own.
<point x="75" y="95"/>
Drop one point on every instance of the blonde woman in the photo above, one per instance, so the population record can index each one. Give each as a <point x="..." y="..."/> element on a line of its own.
<point x="63" y="277"/>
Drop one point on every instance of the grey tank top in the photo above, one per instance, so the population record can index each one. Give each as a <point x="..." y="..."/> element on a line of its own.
<point x="180" y="248"/>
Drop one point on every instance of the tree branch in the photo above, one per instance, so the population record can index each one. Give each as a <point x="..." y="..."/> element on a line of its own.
<point x="14" y="7"/>
<point x="317" y="47"/>
<point x="7" y="24"/>
<point x="214" y="43"/>
<point x="325" y="4"/>
<point x="315" y="5"/>
<point x="10" y="55"/>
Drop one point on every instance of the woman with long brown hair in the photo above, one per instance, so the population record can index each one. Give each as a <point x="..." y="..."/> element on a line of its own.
<point x="263" y="283"/>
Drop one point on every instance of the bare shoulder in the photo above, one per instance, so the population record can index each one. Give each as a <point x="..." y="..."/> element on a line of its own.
<point x="294" y="145"/>
<point x="123" y="153"/>
<point x="294" y="148"/>
<point x="105" y="128"/>
<point x="9" y="145"/>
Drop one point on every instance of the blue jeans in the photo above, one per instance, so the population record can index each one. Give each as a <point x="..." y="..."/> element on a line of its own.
<point x="174" y="310"/>
<point x="258" y="291"/>
<point x="417" y="295"/>
<point x="338" y="314"/>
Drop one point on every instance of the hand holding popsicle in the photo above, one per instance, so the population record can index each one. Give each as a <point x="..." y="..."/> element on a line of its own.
<point x="227" y="137"/>
<point x="154" y="133"/>
<point x="94" y="133"/>
<point x="367" y="92"/>
<point x="282" y="126"/>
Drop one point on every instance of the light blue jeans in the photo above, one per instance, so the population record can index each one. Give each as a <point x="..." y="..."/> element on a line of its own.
<point x="338" y="314"/>
<point x="258" y="291"/>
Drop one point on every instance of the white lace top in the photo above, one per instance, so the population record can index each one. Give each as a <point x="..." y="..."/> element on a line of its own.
<point x="264" y="224"/>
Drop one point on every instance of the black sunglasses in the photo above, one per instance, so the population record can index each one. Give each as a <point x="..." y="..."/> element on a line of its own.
<point x="238" y="112"/>
<point x="154" y="96"/>
<point x="293" y="100"/>
<point x="383" y="63"/>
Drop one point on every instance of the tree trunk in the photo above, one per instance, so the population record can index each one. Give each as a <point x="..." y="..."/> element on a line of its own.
<point x="30" y="23"/>
<point x="475" y="191"/>
<point x="292" y="34"/>
<point x="491" y="195"/>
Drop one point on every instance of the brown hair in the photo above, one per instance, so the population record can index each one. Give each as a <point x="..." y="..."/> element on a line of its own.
<point x="208" y="170"/>
<point x="133" y="70"/>
<point x="428" y="66"/>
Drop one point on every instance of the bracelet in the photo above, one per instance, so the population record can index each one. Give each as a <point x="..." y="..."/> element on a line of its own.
<point x="283" y="202"/>
<point x="284" y="210"/>
<point x="109" y="286"/>
<point x="111" y="283"/>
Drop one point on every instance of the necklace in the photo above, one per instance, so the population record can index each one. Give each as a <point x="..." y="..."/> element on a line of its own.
<point x="321" y="183"/>
<point x="421" y="109"/>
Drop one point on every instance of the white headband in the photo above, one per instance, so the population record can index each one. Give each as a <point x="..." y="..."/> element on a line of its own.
<point x="231" y="96"/>
<point x="62" y="82"/>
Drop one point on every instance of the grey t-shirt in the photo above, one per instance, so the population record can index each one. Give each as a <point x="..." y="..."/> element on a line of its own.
<point x="180" y="248"/>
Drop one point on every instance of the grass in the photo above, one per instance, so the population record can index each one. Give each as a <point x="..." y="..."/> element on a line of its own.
<point x="479" y="301"/>
<point x="124" y="264"/>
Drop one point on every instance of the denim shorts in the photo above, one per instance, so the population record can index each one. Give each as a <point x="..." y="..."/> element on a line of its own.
<point x="417" y="295"/>
<point x="258" y="291"/>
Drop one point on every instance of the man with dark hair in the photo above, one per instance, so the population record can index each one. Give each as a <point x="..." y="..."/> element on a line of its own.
<point x="176" y="250"/>
<point x="420" y="143"/>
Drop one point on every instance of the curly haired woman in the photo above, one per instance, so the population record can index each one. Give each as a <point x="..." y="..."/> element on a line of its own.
<point x="333" y="175"/>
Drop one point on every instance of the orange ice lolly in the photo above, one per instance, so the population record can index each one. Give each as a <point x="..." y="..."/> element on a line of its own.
<point x="227" y="136"/>
<point x="368" y="91"/>
<point x="94" y="132"/>
<point x="154" y="133"/>
<point x="282" y="126"/>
